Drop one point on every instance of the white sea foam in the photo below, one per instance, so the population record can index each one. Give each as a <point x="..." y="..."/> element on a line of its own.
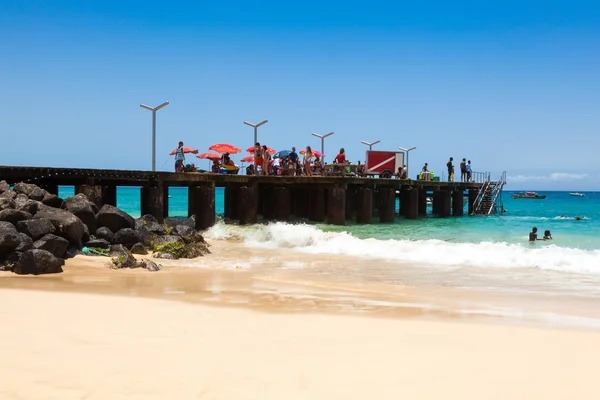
<point x="310" y="239"/>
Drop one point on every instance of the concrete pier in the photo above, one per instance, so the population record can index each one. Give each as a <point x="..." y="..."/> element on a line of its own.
<point x="387" y="204"/>
<point x="458" y="203"/>
<point x="248" y="205"/>
<point x="152" y="201"/>
<point x="317" y="205"/>
<point x="336" y="205"/>
<point x="283" y="203"/>
<point x="364" y="205"/>
<point x="422" y="202"/>
<point x="472" y="196"/>
<point x="411" y="208"/>
<point x="204" y="209"/>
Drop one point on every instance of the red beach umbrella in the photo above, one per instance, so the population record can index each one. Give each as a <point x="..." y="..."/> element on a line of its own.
<point x="209" y="156"/>
<point x="248" y="159"/>
<point x="185" y="150"/>
<point x="270" y="150"/>
<point x="315" y="153"/>
<point x="225" y="148"/>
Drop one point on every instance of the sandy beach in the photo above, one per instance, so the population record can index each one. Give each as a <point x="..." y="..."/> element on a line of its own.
<point x="75" y="346"/>
<point x="96" y="333"/>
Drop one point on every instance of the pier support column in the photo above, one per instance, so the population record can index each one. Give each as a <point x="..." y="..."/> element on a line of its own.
<point x="458" y="203"/>
<point x="387" y="204"/>
<point x="364" y="205"/>
<point x="336" y="205"/>
<point x="403" y="201"/>
<point x="109" y="195"/>
<point x="422" y="202"/>
<point x="350" y="202"/>
<point x="203" y="197"/>
<point x="153" y="202"/>
<point x="51" y="188"/>
<point x="165" y="190"/>
<point x="472" y="196"/>
<point x="283" y="206"/>
<point x="266" y="199"/>
<point x="316" y="211"/>
<point x="192" y="190"/>
<point x="230" y="195"/>
<point x="92" y="192"/>
<point x="444" y="203"/>
<point x="411" y="208"/>
<point x="248" y="204"/>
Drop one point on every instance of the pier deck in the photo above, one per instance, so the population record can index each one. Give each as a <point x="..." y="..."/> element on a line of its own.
<point x="330" y="199"/>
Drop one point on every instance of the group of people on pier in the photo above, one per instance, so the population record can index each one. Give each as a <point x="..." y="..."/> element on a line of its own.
<point x="465" y="170"/>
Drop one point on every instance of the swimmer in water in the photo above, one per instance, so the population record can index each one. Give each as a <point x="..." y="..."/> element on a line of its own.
<point x="578" y="218"/>
<point x="533" y="234"/>
<point x="547" y="235"/>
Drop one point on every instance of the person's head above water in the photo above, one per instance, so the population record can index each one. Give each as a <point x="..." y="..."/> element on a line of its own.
<point x="534" y="229"/>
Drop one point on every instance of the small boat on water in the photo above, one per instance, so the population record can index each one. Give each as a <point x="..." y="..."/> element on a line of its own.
<point x="528" y="195"/>
<point x="577" y="194"/>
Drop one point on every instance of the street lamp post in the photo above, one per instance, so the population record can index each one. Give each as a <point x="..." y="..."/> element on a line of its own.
<point x="407" y="151"/>
<point x="154" y="110"/>
<point x="255" y="126"/>
<point x="322" y="137"/>
<point x="370" y="144"/>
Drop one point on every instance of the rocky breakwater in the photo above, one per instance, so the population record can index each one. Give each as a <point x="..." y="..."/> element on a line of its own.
<point x="38" y="231"/>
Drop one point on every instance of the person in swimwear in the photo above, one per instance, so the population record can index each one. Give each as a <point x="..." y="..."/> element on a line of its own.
<point x="547" y="235"/>
<point x="533" y="234"/>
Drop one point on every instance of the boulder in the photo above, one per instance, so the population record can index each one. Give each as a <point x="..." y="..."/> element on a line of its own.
<point x="36" y="228"/>
<point x="81" y="207"/>
<point x="86" y="234"/>
<point x="139" y="248"/>
<point x="4" y="187"/>
<point x="67" y="225"/>
<point x="114" y="219"/>
<point x="52" y="200"/>
<point x="30" y="206"/>
<point x="150" y="224"/>
<point x="98" y="243"/>
<point x="9" y="237"/>
<point x="37" y="194"/>
<point x="127" y="237"/>
<point x="14" y="216"/>
<point x="37" y="261"/>
<point x="26" y="243"/>
<point x="181" y="250"/>
<point x="122" y="258"/>
<point x="183" y="231"/>
<point x="149" y="265"/>
<point x="106" y="234"/>
<point x="164" y="256"/>
<point x="25" y="188"/>
<point x="54" y="244"/>
<point x="7" y="200"/>
<point x="21" y="199"/>
<point x="162" y="240"/>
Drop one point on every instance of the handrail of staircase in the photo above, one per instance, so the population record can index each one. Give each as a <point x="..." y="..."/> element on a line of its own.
<point x="497" y="190"/>
<point x="482" y="190"/>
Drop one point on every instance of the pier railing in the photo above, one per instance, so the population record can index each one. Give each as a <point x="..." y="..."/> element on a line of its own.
<point x="490" y="193"/>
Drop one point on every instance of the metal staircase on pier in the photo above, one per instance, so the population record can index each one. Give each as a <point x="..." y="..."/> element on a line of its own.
<point x="489" y="198"/>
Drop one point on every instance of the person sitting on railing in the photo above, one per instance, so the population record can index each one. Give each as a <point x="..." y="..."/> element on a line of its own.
<point x="318" y="166"/>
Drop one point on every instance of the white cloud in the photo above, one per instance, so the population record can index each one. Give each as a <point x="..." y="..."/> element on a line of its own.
<point x="554" y="177"/>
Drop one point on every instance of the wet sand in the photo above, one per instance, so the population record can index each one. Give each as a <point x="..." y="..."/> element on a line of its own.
<point x="235" y="327"/>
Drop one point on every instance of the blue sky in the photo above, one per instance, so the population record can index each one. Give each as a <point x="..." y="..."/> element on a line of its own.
<point x="512" y="86"/>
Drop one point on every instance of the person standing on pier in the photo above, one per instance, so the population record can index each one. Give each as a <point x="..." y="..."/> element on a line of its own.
<point x="179" y="158"/>
<point x="294" y="159"/>
<point x="469" y="171"/>
<point x="308" y="155"/>
<point x="463" y="170"/>
<point x="258" y="160"/>
<point x="450" y="166"/>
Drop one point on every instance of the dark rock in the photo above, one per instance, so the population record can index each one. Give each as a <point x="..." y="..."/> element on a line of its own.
<point x="149" y="265"/>
<point x="52" y="200"/>
<point x="122" y="258"/>
<point x="26" y="243"/>
<point x="24" y="188"/>
<point x="150" y="224"/>
<point x="95" y="208"/>
<point x="54" y="244"/>
<point x="164" y="256"/>
<point x="127" y="237"/>
<point x="106" y="234"/>
<point x="162" y="240"/>
<point x="4" y="187"/>
<point x="67" y="225"/>
<point x="37" y="261"/>
<point x="183" y="231"/>
<point x="30" y="206"/>
<point x="114" y="219"/>
<point x="98" y="243"/>
<point x="181" y="250"/>
<point x="7" y="200"/>
<point x="139" y="248"/>
<point x="72" y="252"/>
<point x="81" y="207"/>
<point x="38" y="194"/>
<point x="86" y="234"/>
<point x="36" y="228"/>
<point x="21" y="199"/>
<point x="14" y="216"/>
<point x="9" y="237"/>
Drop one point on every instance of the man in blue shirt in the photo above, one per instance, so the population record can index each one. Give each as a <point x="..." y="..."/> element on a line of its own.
<point x="469" y="171"/>
<point x="294" y="157"/>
